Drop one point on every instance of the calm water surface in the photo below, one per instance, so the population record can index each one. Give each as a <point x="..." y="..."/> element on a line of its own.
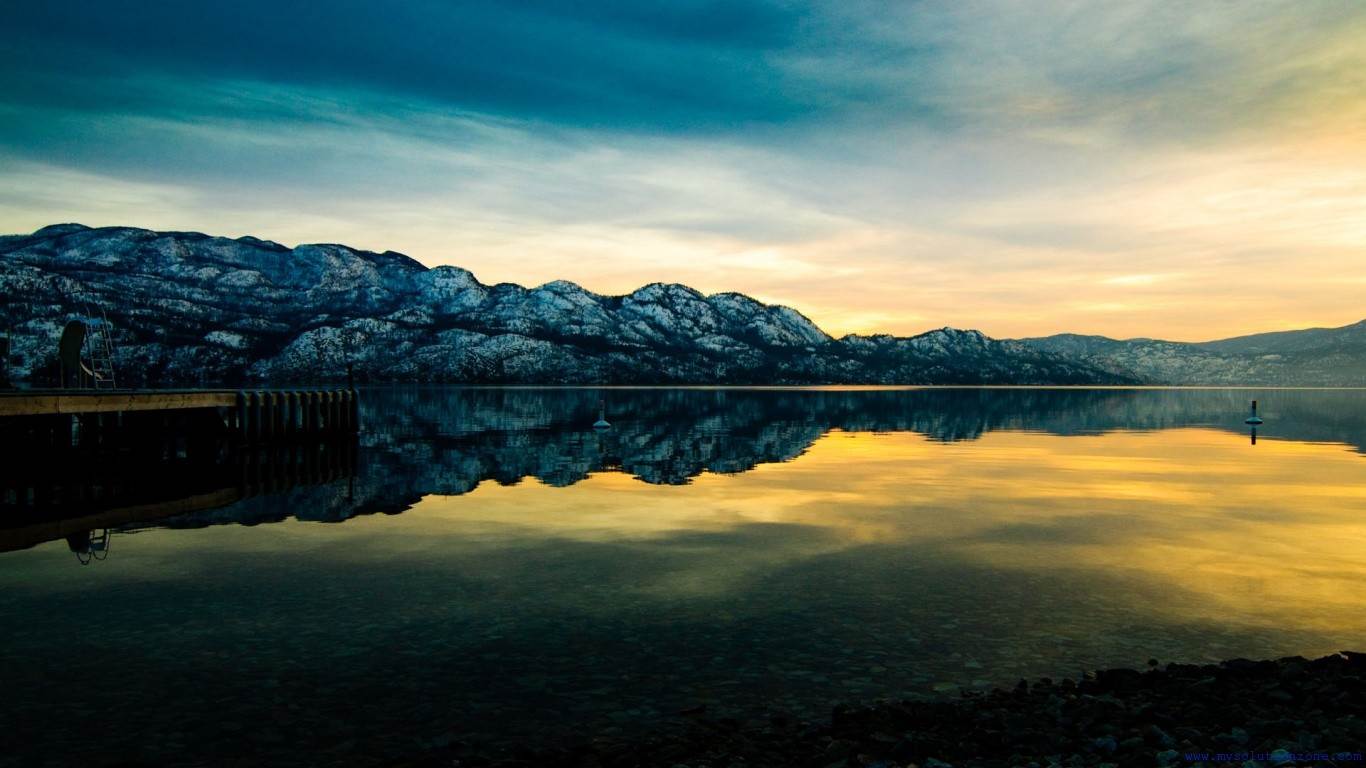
<point x="497" y="571"/>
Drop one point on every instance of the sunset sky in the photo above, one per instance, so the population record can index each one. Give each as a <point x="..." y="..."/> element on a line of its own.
<point x="1171" y="169"/>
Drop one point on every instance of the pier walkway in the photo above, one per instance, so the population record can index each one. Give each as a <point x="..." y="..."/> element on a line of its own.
<point x="252" y="415"/>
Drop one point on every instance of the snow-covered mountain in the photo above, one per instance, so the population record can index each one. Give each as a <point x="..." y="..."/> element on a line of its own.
<point x="1325" y="357"/>
<point x="190" y="309"/>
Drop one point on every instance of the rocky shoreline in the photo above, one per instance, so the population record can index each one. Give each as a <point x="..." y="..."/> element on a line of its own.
<point x="1290" y="711"/>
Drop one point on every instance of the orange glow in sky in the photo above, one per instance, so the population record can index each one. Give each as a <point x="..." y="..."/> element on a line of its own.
<point x="1180" y="171"/>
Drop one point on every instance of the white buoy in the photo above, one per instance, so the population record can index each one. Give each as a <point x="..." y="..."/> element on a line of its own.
<point x="602" y="422"/>
<point x="1252" y="417"/>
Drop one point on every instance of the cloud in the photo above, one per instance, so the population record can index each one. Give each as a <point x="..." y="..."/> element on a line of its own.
<point x="1014" y="167"/>
<point x="681" y="65"/>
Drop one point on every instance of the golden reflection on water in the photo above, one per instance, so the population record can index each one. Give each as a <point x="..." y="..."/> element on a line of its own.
<point x="871" y="565"/>
<point x="1271" y="535"/>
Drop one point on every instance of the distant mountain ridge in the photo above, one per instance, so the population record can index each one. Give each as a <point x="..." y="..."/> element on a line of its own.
<point x="1327" y="357"/>
<point x="194" y="309"/>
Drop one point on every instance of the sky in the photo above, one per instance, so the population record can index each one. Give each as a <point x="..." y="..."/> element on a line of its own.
<point x="1131" y="168"/>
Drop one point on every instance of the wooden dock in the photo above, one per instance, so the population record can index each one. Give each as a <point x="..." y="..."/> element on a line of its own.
<point x="82" y="460"/>
<point x="251" y="415"/>
<point x="54" y="402"/>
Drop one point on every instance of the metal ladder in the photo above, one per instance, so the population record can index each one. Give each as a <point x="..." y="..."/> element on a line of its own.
<point x="99" y="348"/>
<point x="93" y="545"/>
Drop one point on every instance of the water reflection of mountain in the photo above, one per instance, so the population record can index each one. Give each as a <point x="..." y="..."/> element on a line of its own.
<point x="657" y="431"/>
<point x="447" y="441"/>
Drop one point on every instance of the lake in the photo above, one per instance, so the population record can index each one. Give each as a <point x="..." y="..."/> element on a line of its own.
<point x="489" y="568"/>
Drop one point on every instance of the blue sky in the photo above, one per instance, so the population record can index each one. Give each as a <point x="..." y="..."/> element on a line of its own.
<point x="1188" y="170"/>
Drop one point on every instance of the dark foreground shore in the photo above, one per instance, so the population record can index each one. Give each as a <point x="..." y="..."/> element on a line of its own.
<point x="1291" y="711"/>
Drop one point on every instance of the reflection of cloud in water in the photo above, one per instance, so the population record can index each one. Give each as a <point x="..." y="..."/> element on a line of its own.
<point x="448" y="441"/>
<point x="843" y="564"/>
<point x="1189" y="508"/>
<point x="1122" y="482"/>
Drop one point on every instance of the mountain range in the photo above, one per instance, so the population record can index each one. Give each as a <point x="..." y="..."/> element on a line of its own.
<point x="188" y="308"/>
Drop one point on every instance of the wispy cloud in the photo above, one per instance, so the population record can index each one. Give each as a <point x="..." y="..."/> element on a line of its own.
<point x="1132" y="168"/>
